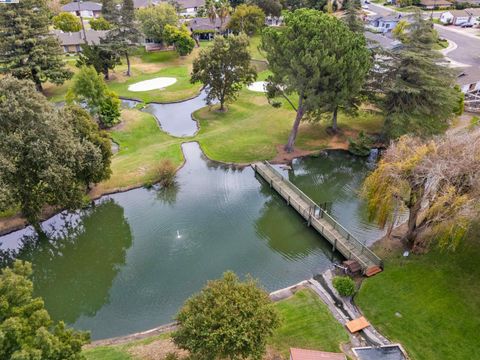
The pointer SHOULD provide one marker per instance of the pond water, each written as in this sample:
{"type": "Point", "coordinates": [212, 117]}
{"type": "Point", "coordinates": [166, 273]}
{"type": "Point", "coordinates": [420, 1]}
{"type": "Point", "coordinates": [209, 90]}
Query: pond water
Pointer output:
{"type": "Point", "coordinates": [129, 262]}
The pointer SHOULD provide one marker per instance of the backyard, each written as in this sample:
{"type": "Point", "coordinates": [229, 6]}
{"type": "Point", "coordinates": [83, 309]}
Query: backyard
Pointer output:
{"type": "Point", "coordinates": [306, 322]}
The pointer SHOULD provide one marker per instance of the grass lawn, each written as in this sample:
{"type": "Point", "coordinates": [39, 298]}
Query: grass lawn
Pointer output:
{"type": "Point", "coordinates": [254, 51]}
{"type": "Point", "coordinates": [307, 323]}
{"type": "Point", "coordinates": [181, 90]}
{"type": "Point", "coordinates": [144, 66]}
{"type": "Point", "coordinates": [142, 146]}
{"type": "Point", "coordinates": [438, 297]}
{"type": "Point", "coordinates": [252, 129]}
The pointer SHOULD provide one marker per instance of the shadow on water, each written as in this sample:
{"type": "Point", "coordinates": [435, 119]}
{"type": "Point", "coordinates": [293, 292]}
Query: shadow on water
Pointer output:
{"type": "Point", "coordinates": [129, 263]}
{"type": "Point", "coordinates": [75, 265]}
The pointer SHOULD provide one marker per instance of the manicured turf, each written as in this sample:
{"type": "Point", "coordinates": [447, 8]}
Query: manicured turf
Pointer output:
{"type": "Point", "coordinates": [142, 146]}
{"type": "Point", "coordinates": [181, 90]}
{"type": "Point", "coordinates": [252, 129]}
{"type": "Point", "coordinates": [438, 298]}
{"type": "Point", "coordinates": [307, 323]}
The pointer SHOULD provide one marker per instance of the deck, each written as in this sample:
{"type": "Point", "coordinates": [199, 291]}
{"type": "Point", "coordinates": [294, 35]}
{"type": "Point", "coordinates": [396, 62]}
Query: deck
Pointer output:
{"type": "Point", "coordinates": [341, 240]}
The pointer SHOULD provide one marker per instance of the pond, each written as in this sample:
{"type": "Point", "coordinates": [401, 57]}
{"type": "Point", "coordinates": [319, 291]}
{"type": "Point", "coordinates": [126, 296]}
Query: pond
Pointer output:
{"type": "Point", "coordinates": [129, 262]}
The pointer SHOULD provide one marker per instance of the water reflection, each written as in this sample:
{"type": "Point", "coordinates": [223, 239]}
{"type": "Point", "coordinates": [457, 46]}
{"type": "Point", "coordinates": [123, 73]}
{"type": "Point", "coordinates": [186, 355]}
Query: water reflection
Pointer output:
{"type": "Point", "coordinates": [75, 265]}
{"type": "Point", "coordinates": [128, 264]}
{"type": "Point", "coordinates": [176, 118]}
{"type": "Point", "coordinates": [335, 177]}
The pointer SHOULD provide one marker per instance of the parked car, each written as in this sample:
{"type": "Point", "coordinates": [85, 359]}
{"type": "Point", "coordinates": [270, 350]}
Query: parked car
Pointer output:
{"type": "Point", "coordinates": [365, 6]}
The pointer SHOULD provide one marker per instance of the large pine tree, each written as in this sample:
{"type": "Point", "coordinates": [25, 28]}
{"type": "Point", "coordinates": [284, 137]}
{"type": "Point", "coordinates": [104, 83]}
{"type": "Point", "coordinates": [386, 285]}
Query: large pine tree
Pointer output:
{"type": "Point", "coordinates": [125, 34]}
{"type": "Point", "coordinates": [110, 11]}
{"type": "Point", "coordinates": [422, 98]}
{"type": "Point", "coordinates": [27, 49]}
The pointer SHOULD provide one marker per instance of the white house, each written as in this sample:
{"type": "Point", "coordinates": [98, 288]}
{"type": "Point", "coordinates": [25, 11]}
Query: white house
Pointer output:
{"type": "Point", "coordinates": [459, 17]}
{"type": "Point", "coordinates": [189, 8]}
{"type": "Point", "coordinates": [86, 9]}
{"type": "Point", "coordinates": [384, 24]}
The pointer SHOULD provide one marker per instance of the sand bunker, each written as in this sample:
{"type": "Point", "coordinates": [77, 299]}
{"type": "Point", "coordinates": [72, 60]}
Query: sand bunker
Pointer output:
{"type": "Point", "coordinates": [152, 84]}
{"type": "Point", "coordinates": [258, 86]}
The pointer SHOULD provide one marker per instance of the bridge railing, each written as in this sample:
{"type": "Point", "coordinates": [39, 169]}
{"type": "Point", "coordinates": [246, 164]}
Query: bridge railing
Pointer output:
{"type": "Point", "coordinates": [323, 214]}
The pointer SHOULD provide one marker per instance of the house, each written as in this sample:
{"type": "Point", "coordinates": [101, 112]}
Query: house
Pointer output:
{"type": "Point", "coordinates": [435, 4]}
{"type": "Point", "coordinates": [139, 4]}
{"type": "Point", "coordinates": [468, 3]}
{"type": "Point", "coordinates": [384, 24]}
{"type": "Point", "coordinates": [72, 41]}
{"type": "Point", "coordinates": [375, 40]}
{"type": "Point", "coordinates": [459, 17]}
{"type": "Point", "coordinates": [302, 354]}
{"type": "Point", "coordinates": [86, 9]}
{"type": "Point", "coordinates": [189, 7]}
{"type": "Point", "coordinates": [204, 29]}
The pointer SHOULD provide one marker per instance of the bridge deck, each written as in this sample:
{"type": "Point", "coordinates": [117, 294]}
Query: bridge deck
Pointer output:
{"type": "Point", "coordinates": [320, 220]}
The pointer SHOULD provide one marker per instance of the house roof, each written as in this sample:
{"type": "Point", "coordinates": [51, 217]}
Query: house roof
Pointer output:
{"type": "Point", "coordinates": [385, 42]}
{"type": "Point", "coordinates": [474, 2]}
{"type": "Point", "coordinates": [138, 4]}
{"type": "Point", "coordinates": [302, 354]}
{"type": "Point", "coordinates": [467, 76]}
{"type": "Point", "coordinates": [76, 38]}
{"type": "Point", "coordinates": [84, 5]}
{"type": "Point", "coordinates": [435, 3]}
{"type": "Point", "coordinates": [202, 24]}
{"type": "Point", "coordinates": [187, 4]}
{"type": "Point", "coordinates": [458, 13]}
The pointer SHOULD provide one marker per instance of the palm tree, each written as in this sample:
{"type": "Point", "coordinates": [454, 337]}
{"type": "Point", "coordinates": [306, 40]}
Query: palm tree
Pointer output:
{"type": "Point", "coordinates": [223, 10]}
{"type": "Point", "coordinates": [211, 10]}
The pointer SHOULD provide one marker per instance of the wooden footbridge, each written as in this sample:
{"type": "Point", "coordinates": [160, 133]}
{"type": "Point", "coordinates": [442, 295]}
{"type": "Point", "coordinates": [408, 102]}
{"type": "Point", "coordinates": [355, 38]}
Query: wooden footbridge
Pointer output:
{"type": "Point", "coordinates": [341, 240]}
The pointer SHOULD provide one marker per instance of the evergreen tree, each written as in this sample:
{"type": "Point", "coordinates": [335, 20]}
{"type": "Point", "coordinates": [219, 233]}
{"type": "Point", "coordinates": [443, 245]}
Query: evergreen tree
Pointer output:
{"type": "Point", "coordinates": [352, 16]}
{"type": "Point", "coordinates": [110, 11]}
{"type": "Point", "coordinates": [45, 158]}
{"type": "Point", "coordinates": [102, 58]}
{"type": "Point", "coordinates": [224, 68]}
{"type": "Point", "coordinates": [27, 48]}
{"type": "Point", "coordinates": [124, 36]}
{"type": "Point", "coordinates": [422, 98]}
{"type": "Point", "coordinates": [27, 330]}
{"type": "Point", "coordinates": [317, 58]}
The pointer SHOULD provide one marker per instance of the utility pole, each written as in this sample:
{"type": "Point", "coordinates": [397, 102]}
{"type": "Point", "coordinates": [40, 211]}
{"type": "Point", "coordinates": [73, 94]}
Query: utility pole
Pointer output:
{"type": "Point", "coordinates": [81, 21]}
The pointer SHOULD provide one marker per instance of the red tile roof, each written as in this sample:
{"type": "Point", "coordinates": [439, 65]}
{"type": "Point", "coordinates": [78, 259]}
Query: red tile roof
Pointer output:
{"type": "Point", "coordinates": [302, 354]}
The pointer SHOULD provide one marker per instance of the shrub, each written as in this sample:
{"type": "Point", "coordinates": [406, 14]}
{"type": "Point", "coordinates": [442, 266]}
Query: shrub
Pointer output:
{"type": "Point", "coordinates": [172, 356]}
{"type": "Point", "coordinates": [344, 285]}
{"type": "Point", "coordinates": [360, 146]}
{"type": "Point", "coordinates": [100, 24]}
{"type": "Point", "coordinates": [166, 172]}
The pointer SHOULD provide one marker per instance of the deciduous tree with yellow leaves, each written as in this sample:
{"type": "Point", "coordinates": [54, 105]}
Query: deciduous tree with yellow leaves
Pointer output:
{"type": "Point", "coordinates": [437, 181]}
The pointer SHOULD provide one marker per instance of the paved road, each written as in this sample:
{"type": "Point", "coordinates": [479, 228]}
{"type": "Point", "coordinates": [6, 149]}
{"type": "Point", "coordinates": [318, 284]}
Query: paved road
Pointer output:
{"type": "Point", "coordinates": [468, 47]}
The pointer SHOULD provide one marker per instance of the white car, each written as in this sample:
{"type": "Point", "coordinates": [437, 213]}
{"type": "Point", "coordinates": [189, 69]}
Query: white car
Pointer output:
{"type": "Point", "coordinates": [365, 6]}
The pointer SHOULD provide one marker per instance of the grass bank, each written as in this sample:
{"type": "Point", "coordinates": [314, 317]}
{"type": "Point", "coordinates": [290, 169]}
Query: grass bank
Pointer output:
{"type": "Point", "coordinates": [430, 303]}
{"type": "Point", "coordinates": [306, 322]}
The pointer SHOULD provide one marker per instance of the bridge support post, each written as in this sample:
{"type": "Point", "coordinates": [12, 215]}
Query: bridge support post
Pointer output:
{"type": "Point", "coordinates": [288, 200]}
{"type": "Point", "coordinates": [334, 245]}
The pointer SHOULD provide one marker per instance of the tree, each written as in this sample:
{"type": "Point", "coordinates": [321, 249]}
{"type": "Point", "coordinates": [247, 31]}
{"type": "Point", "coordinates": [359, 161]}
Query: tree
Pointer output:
{"type": "Point", "coordinates": [45, 159]}
{"type": "Point", "coordinates": [67, 22]}
{"type": "Point", "coordinates": [317, 58]}
{"type": "Point", "coordinates": [352, 16]}
{"type": "Point", "coordinates": [102, 58]}
{"type": "Point", "coordinates": [400, 30]}
{"type": "Point", "coordinates": [269, 7]}
{"type": "Point", "coordinates": [110, 11]}
{"type": "Point", "coordinates": [223, 10]}
{"type": "Point", "coordinates": [27, 330]}
{"type": "Point", "coordinates": [224, 68]}
{"type": "Point", "coordinates": [422, 97]}
{"type": "Point", "coordinates": [180, 37]}
{"type": "Point", "coordinates": [247, 19]}
{"type": "Point", "coordinates": [100, 24]}
{"type": "Point", "coordinates": [228, 319]}
{"type": "Point", "coordinates": [89, 88]}
{"type": "Point", "coordinates": [123, 37]}
{"type": "Point", "coordinates": [437, 181]}
{"type": "Point", "coordinates": [27, 48]}
{"type": "Point", "coordinates": [211, 10]}
{"type": "Point", "coordinates": [154, 19]}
